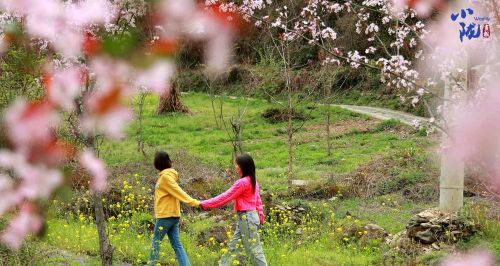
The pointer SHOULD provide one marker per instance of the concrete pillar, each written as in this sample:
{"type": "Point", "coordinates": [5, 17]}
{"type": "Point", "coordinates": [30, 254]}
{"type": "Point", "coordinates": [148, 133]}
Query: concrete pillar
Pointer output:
{"type": "Point", "coordinates": [451, 181]}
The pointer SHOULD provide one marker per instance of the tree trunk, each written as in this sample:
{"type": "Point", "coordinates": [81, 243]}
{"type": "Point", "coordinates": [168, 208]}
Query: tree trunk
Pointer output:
{"type": "Point", "coordinates": [236, 129]}
{"type": "Point", "coordinates": [328, 133]}
{"type": "Point", "coordinates": [140, 131]}
{"type": "Point", "coordinates": [106, 250]}
{"type": "Point", "coordinates": [290, 131]}
{"type": "Point", "coordinates": [170, 102]}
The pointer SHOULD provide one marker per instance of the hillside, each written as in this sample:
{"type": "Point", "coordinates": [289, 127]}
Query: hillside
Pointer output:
{"type": "Point", "coordinates": [378, 173]}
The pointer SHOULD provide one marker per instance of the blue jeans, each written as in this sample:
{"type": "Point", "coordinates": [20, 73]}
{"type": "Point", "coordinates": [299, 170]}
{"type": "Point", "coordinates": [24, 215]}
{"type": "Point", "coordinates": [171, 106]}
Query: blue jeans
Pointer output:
{"type": "Point", "coordinates": [170, 227]}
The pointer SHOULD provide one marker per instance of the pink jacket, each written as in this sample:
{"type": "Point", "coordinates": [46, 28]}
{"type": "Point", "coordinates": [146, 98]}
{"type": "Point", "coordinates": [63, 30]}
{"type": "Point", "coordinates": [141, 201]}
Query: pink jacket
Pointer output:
{"type": "Point", "coordinates": [244, 198]}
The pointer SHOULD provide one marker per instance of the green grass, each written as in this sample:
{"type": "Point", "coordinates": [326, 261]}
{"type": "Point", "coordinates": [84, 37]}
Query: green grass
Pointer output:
{"type": "Point", "coordinates": [318, 247]}
{"type": "Point", "coordinates": [320, 244]}
{"type": "Point", "coordinates": [199, 135]}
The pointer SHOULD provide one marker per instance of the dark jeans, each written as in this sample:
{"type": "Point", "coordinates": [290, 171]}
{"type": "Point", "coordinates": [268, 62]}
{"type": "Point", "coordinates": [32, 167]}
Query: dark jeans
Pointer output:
{"type": "Point", "coordinates": [170, 227]}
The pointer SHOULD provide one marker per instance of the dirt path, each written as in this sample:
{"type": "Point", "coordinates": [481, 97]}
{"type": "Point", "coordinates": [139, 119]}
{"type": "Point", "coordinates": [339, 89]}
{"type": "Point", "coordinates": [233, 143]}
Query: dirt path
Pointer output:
{"type": "Point", "coordinates": [375, 112]}
{"type": "Point", "coordinates": [384, 114]}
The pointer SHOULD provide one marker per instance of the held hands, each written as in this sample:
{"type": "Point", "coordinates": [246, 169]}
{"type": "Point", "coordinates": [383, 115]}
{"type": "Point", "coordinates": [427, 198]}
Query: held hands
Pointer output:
{"type": "Point", "coordinates": [202, 208]}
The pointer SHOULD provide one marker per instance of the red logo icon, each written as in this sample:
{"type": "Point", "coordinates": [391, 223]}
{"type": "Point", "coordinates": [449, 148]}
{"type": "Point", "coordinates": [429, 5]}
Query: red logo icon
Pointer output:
{"type": "Point", "coordinates": [486, 30]}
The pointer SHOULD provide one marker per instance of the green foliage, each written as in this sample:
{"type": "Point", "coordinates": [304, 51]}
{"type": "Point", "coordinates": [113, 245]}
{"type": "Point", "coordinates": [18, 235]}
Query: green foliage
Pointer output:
{"type": "Point", "coordinates": [193, 80]}
{"type": "Point", "coordinates": [277, 115]}
{"type": "Point", "coordinates": [21, 70]}
{"type": "Point", "coordinates": [267, 58]}
{"type": "Point", "coordinates": [401, 180]}
{"type": "Point", "coordinates": [389, 124]}
{"type": "Point", "coordinates": [422, 132]}
{"type": "Point", "coordinates": [121, 45]}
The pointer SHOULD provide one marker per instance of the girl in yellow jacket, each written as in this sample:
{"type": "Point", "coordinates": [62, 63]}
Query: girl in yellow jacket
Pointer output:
{"type": "Point", "coordinates": [167, 209]}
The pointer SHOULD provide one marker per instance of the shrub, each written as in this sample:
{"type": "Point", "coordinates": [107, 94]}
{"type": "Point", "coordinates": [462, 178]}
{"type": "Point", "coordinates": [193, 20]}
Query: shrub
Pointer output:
{"type": "Point", "coordinates": [276, 115]}
{"type": "Point", "coordinates": [143, 222]}
{"type": "Point", "coordinates": [401, 181]}
{"type": "Point", "coordinates": [388, 125]}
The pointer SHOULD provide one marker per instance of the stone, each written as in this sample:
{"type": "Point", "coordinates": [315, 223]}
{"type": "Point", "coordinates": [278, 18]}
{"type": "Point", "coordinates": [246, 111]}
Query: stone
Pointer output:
{"type": "Point", "coordinates": [431, 226]}
{"type": "Point", "coordinates": [425, 237]}
{"type": "Point", "coordinates": [375, 231]}
{"type": "Point", "coordinates": [299, 183]}
{"type": "Point", "coordinates": [418, 220]}
{"type": "Point", "coordinates": [203, 215]}
{"type": "Point", "coordinates": [430, 214]}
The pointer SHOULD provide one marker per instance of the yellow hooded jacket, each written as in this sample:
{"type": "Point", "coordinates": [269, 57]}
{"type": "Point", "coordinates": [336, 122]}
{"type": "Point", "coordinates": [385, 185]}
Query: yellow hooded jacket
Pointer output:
{"type": "Point", "coordinates": [168, 194]}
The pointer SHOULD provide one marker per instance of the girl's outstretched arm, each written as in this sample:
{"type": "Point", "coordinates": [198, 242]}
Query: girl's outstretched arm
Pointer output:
{"type": "Point", "coordinates": [233, 192]}
{"type": "Point", "coordinates": [175, 190]}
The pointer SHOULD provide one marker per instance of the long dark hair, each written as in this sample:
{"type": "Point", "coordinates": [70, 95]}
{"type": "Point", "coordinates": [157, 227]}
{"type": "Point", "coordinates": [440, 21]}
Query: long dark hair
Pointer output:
{"type": "Point", "coordinates": [247, 166]}
{"type": "Point", "coordinates": [162, 161]}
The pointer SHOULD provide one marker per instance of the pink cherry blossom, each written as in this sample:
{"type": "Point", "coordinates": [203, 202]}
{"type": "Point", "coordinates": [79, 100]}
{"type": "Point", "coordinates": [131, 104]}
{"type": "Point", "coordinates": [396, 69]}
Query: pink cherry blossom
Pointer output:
{"type": "Point", "coordinates": [36, 181]}
{"type": "Point", "coordinates": [474, 134]}
{"type": "Point", "coordinates": [61, 23]}
{"type": "Point", "coordinates": [39, 182]}
{"type": "Point", "coordinates": [218, 50]}
{"type": "Point", "coordinates": [10, 197]}
{"type": "Point", "coordinates": [27, 221]}
{"type": "Point", "coordinates": [111, 123]}
{"type": "Point", "coordinates": [157, 77]}
{"type": "Point", "coordinates": [104, 110]}
{"type": "Point", "coordinates": [422, 7]}
{"type": "Point", "coordinates": [30, 124]}
{"type": "Point", "coordinates": [476, 258]}
{"type": "Point", "coordinates": [214, 26]}
{"type": "Point", "coordinates": [64, 86]}
{"type": "Point", "coordinates": [96, 168]}
{"type": "Point", "coordinates": [88, 12]}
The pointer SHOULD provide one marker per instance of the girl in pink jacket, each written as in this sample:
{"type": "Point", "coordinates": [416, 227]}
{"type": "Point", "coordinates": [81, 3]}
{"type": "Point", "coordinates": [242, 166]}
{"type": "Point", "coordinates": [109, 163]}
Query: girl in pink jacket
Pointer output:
{"type": "Point", "coordinates": [248, 205]}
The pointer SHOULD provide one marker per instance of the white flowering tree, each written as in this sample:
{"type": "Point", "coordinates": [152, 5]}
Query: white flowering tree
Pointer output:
{"type": "Point", "coordinates": [417, 57]}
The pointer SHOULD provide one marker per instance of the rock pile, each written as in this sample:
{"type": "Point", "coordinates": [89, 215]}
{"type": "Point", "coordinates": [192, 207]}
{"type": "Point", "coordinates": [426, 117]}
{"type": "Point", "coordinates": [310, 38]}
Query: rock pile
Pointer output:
{"type": "Point", "coordinates": [294, 213]}
{"type": "Point", "coordinates": [431, 226]}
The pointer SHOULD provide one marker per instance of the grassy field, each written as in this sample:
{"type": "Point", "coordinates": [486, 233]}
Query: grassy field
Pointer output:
{"type": "Point", "coordinates": [361, 147]}
{"type": "Point", "coordinates": [355, 141]}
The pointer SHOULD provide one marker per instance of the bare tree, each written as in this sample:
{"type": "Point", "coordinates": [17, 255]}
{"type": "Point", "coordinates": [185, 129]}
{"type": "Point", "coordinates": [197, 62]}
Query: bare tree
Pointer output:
{"type": "Point", "coordinates": [217, 101]}
{"type": "Point", "coordinates": [91, 142]}
{"type": "Point", "coordinates": [234, 132]}
{"type": "Point", "coordinates": [140, 129]}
